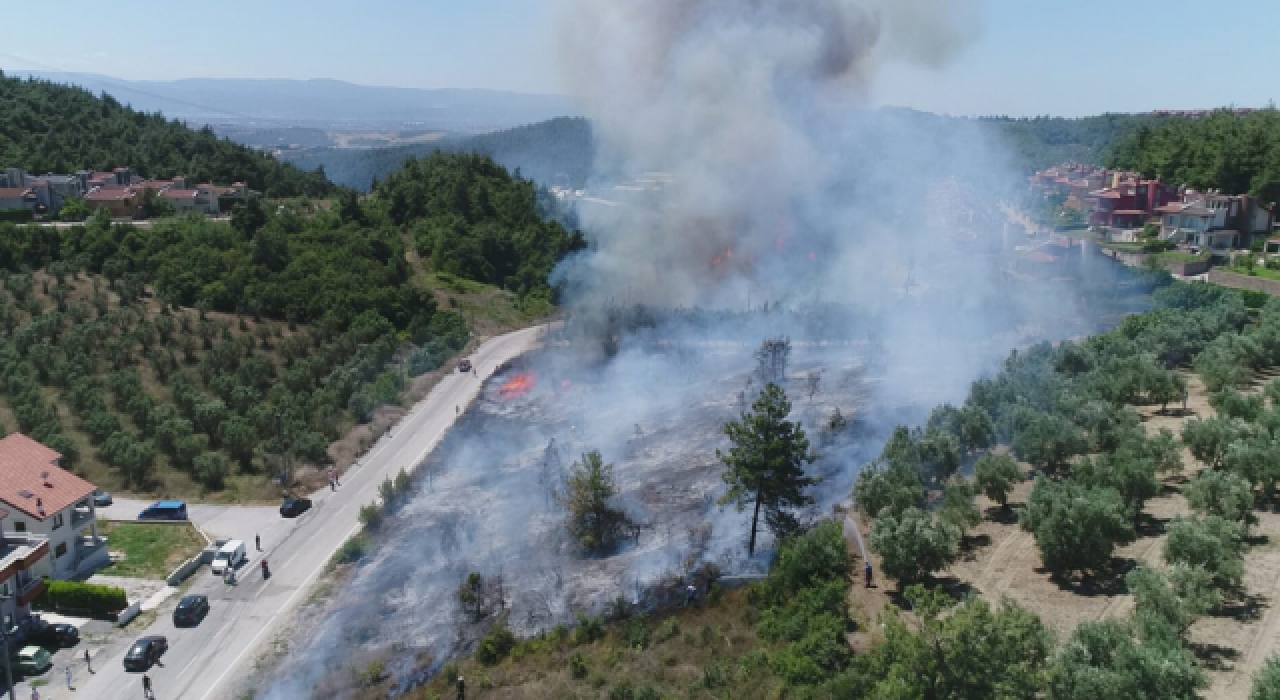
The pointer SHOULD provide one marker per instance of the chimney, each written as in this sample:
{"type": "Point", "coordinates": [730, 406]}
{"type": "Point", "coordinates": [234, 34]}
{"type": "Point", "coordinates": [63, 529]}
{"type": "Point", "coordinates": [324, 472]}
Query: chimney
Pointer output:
{"type": "Point", "coordinates": [40, 506]}
{"type": "Point", "coordinates": [45, 475]}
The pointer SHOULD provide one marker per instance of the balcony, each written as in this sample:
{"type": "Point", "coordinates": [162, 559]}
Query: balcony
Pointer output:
{"type": "Point", "coordinates": [20, 551]}
{"type": "Point", "coordinates": [29, 587]}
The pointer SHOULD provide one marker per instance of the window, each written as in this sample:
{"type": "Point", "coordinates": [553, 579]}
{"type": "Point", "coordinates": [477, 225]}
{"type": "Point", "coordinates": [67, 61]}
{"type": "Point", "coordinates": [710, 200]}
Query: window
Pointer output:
{"type": "Point", "coordinates": [60, 550]}
{"type": "Point", "coordinates": [57, 521]}
{"type": "Point", "coordinates": [4, 589]}
{"type": "Point", "coordinates": [19, 526]}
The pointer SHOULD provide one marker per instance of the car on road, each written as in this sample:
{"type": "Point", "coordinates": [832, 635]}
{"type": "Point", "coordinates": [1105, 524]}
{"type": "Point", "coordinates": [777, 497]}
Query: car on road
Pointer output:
{"type": "Point", "coordinates": [165, 510]}
{"type": "Point", "coordinates": [32, 660]}
{"type": "Point", "coordinates": [293, 507]}
{"type": "Point", "coordinates": [55, 636]}
{"type": "Point", "coordinates": [102, 498]}
{"type": "Point", "coordinates": [145, 652]}
{"type": "Point", "coordinates": [190, 611]}
{"type": "Point", "coordinates": [464, 365]}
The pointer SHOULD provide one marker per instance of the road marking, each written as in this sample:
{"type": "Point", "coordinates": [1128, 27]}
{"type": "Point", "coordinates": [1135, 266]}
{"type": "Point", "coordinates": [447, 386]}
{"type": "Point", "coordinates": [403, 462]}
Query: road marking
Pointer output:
{"type": "Point", "coordinates": [267, 625]}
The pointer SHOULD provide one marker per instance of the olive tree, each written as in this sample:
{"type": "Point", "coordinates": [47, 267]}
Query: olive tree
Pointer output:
{"type": "Point", "coordinates": [996, 476]}
{"type": "Point", "coordinates": [1212, 543]}
{"type": "Point", "coordinates": [1076, 527]}
{"type": "Point", "coordinates": [914, 544]}
{"type": "Point", "coordinates": [1219, 493]}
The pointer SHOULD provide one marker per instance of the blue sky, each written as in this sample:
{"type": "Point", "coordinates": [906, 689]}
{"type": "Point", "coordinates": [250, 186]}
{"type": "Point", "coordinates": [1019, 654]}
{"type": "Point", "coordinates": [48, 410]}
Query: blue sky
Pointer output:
{"type": "Point", "coordinates": [1031, 56]}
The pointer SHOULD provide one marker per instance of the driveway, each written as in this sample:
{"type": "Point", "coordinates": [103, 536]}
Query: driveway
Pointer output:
{"type": "Point", "coordinates": [203, 662]}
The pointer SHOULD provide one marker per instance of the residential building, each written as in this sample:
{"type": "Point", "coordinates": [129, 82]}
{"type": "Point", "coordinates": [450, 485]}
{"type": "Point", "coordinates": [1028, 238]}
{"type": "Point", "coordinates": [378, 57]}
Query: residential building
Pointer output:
{"type": "Point", "coordinates": [47, 501]}
{"type": "Point", "coordinates": [120, 202]}
{"type": "Point", "coordinates": [17, 198]}
{"type": "Point", "coordinates": [21, 554]}
{"type": "Point", "coordinates": [1216, 221]}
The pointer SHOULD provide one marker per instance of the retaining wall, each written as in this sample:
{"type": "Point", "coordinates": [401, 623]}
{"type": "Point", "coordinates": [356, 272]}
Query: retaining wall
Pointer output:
{"type": "Point", "coordinates": [1237, 281]}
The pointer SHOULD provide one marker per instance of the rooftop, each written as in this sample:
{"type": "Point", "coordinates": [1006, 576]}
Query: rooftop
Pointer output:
{"type": "Point", "coordinates": [110, 194]}
{"type": "Point", "coordinates": [32, 483]}
{"type": "Point", "coordinates": [11, 192]}
{"type": "Point", "coordinates": [173, 193]}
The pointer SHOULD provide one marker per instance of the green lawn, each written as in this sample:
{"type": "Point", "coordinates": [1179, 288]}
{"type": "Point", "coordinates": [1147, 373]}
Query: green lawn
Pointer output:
{"type": "Point", "coordinates": [1178, 256]}
{"type": "Point", "coordinates": [151, 550]}
{"type": "Point", "coordinates": [1258, 271]}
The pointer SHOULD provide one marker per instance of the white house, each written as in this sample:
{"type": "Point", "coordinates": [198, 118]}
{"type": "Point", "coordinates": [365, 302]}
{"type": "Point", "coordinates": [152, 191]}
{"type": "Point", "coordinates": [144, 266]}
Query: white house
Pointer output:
{"type": "Point", "coordinates": [45, 500]}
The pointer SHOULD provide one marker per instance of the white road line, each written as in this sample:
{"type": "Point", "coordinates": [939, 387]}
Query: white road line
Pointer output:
{"type": "Point", "coordinates": [267, 626]}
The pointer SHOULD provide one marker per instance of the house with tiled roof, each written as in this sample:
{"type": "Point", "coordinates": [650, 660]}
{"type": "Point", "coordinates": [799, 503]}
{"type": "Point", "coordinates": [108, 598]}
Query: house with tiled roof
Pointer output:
{"type": "Point", "coordinates": [45, 500]}
{"type": "Point", "coordinates": [21, 555]}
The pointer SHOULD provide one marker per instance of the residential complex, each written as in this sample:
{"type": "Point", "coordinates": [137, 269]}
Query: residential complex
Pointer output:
{"type": "Point", "coordinates": [1120, 203]}
{"type": "Point", "coordinates": [120, 192]}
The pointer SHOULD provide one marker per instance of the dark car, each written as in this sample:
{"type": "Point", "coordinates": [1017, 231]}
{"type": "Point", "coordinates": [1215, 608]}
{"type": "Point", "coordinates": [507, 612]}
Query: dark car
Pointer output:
{"type": "Point", "coordinates": [102, 498]}
{"type": "Point", "coordinates": [145, 652]}
{"type": "Point", "coordinates": [165, 510]}
{"type": "Point", "coordinates": [464, 366]}
{"type": "Point", "coordinates": [190, 611]}
{"type": "Point", "coordinates": [55, 636]}
{"type": "Point", "coordinates": [293, 507]}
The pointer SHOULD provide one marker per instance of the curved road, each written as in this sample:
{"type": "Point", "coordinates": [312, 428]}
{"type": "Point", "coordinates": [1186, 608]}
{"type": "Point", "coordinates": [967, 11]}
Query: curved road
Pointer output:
{"type": "Point", "coordinates": [202, 662]}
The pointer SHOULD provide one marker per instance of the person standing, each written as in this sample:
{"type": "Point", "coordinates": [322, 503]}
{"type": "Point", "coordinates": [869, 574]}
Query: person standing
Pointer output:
{"type": "Point", "coordinates": [88, 662]}
{"type": "Point", "coordinates": [147, 693]}
{"type": "Point", "coordinates": [69, 685]}
{"type": "Point", "coordinates": [867, 571]}
{"type": "Point", "coordinates": [462, 689]}
{"type": "Point", "coordinates": [35, 693]}
{"type": "Point", "coordinates": [257, 542]}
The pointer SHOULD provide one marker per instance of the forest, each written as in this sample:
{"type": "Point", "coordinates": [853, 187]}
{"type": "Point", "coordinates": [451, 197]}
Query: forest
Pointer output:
{"type": "Point", "coordinates": [1236, 153]}
{"type": "Point", "coordinates": [45, 127]}
{"type": "Point", "coordinates": [558, 151]}
{"type": "Point", "coordinates": [473, 219]}
{"type": "Point", "coordinates": [1041, 142]}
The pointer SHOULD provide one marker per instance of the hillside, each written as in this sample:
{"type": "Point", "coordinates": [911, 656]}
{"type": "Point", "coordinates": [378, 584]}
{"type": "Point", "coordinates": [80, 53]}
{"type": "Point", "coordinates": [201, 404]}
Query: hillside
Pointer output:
{"type": "Point", "coordinates": [1236, 153]}
{"type": "Point", "coordinates": [46, 127]}
{"type": "Point", "coordinates": [1041, 142]}
{"type": "Point", "coordinates": [559, 151]}
{"type": "Point", "coordinates": [324, 102]}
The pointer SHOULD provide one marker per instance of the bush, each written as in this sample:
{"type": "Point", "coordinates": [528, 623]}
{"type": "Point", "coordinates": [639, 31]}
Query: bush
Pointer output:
{"type": "Point", "coordinates": [496, 645]}
{"type": "Point", "coordinates": [578, 666]}
{"type": "Point", "coordinates": [351, 551]}
{"type": "Point", "coordinates": [88, 597]}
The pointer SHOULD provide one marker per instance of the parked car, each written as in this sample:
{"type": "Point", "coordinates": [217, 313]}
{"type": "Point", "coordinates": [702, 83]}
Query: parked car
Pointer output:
{"type": "Point", "coordinates": [464, 366]}
{"type": "Point", "coordinates": [101, 498]}
{"type": "Point", "coordinates": [145, 652]}
{"type": "Point", "coordinates": [293, 507]}
{"type": "Point", "coordinates": [55, 636]}
{"type": "Point", "coordinates": [230, 556]}
{"type": "Point", "coordinates": [165, 510]}
{"type": "Point", "coordinates": [32, 660]}
{"type": "Point", "coordinates": [190, 611]}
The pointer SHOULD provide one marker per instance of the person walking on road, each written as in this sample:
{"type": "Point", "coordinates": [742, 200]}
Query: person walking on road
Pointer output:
{"type": "Point", "coordinates": [266, 571]}
{"type": "Point", "coordinates": [35, 693]}
{"type": "Point", "coordinates": [147, 693]}
{"type": "Point", "coordinates": [867, 570]}
{"type": "Point", "coordinates": [88, 662]}
{"type": "Point", "coordinates": [462, 689]}
{"type": "Point", "coordinates": [69, 685]}
{"type": "Point", "coordinates": [257, 542]}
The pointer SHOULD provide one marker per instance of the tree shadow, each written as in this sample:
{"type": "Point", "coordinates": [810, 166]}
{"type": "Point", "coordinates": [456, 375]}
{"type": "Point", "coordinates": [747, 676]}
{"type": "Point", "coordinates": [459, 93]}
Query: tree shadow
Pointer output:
{"type": "Point", "coordinates": [1002, 516]}
{"type": "Point", "coordinates": [1105, 582]}
{"type": "Point", "coordinates": [1214, 657]}
{"type": "Point", "coordinates": [1149, 525]}
{"type": "Point", "coordinates": [1244, 607]}
{"type": "Point", "coordinates": [970, 544]}
{"type": "Point", "coordinates": [1256, 540]}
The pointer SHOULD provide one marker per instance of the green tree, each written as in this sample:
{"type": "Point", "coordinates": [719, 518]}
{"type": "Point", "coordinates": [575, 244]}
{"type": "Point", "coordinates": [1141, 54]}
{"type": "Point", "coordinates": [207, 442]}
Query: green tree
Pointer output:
{"type": "Point", "coordinates": [958, 506]}
{"type": "Point", "coordinates": [212, 469]}
{"type": "Point", "coordinates": [1266, 683]}
{"type": "Point", "coordinates": [1223, 494]}
{"type": "Point", "coordinates": [996, 476]}
{"type": "Point", "coordinates": [1211, 543]}
{"type": "Point", "coordinates": [1209, 439]}
{"type": "Point", "coordinates": [1048, 440]}
{"type": "Point", "coordinates": [593, 521]}
{"type": "Point", "coordinates": [1128, 472]}
{"type": "Point", "coordinates": [914, 544]}
{"type": "Point", "coordinates": [73, 210]}
{"type": "Point", "coordinates": [765, 465]}
{"type": "Point", "coordinates": [1167, 605]}
{"type": "Point", "coordinates": [888, 487]}
{"type": "Point", "coordinates": [1103, 661]}
{"type": "Point", "coordinates": [1076, 527]}
{"type": "Point", "coordinates": [969, 650]}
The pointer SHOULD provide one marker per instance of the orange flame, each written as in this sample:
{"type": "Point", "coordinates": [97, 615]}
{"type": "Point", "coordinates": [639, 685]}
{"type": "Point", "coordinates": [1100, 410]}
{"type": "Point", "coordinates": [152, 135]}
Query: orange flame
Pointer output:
{"type": "Point", "coordinates": [519, 385]}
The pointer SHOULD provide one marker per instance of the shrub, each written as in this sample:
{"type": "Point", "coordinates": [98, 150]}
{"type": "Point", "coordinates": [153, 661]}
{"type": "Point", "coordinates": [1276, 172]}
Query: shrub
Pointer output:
{"type": "Point", "coordinates": [496, 645]}
{"type": "Point", "coordinates": [1266, 684]}
{"type": "Point", "coordinates": [622, 690]}
{"type": "Point", "coordinates": [351, 551]}
{"type": "Point", "coordinates": [578, 666]}
{"type": "Point", "coordinates": [89, 597]}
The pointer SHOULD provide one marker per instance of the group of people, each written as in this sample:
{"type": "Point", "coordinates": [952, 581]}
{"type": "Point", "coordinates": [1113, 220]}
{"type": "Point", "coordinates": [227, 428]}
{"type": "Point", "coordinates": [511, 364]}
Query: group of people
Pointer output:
{"type": "Point", "coordinates": [334, 482]}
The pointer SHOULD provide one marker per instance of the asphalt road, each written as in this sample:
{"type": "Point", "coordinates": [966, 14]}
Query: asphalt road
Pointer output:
{"type": "Point", "coordinates": [202, 662]}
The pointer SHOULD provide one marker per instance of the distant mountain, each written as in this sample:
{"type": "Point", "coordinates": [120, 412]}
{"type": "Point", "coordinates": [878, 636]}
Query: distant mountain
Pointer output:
{"type": "Point", "coordinates": [557, 151]}
{"type": "Point", "coordinates": [330, 103]}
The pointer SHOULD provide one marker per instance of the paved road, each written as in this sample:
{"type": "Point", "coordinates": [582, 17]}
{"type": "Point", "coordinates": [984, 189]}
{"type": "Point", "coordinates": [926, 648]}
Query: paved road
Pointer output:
{"type": "Point", "coordinates": [202, 662]}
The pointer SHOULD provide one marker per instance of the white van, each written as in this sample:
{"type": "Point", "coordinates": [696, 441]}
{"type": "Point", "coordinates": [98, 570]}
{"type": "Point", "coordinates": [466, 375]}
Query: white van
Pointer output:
{"type": "Point", "coordinates": [229, 557]}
